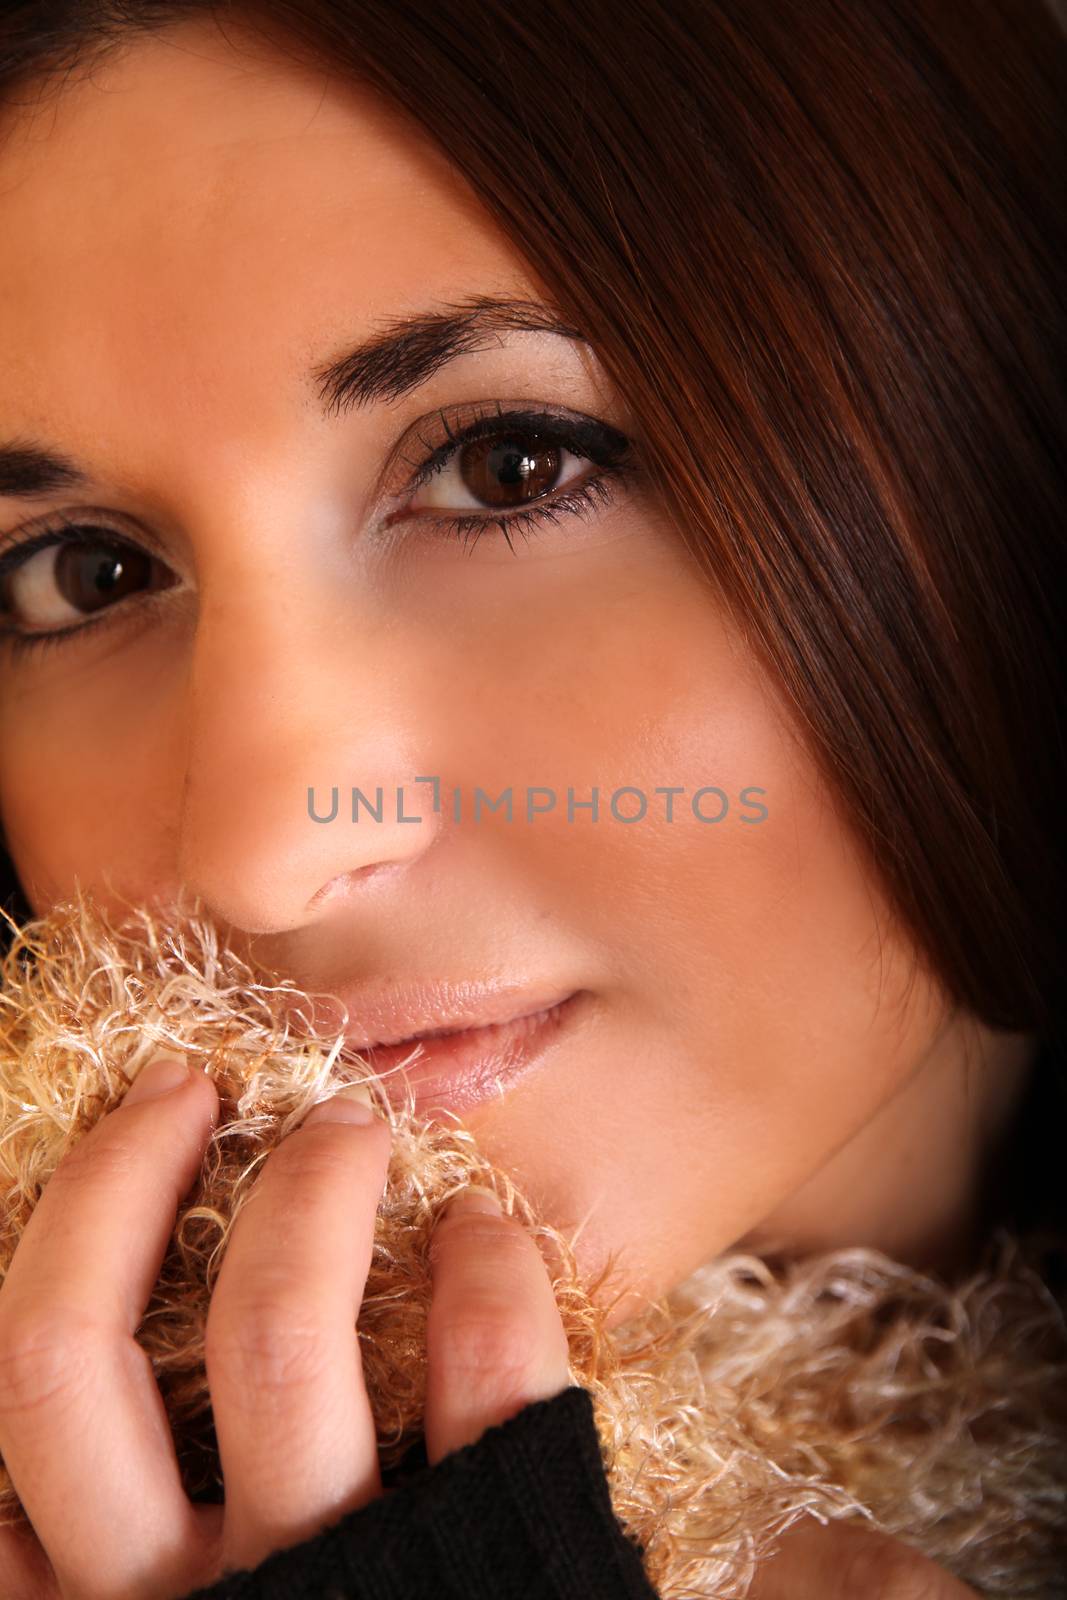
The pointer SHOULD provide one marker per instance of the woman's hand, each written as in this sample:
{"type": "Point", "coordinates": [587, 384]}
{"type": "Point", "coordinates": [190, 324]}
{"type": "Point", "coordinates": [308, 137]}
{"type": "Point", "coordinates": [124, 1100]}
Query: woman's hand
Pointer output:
{"type": "Point", "coordinates": [846, 1561]}
{"type": "Point", "coordinates": [83, 1430]}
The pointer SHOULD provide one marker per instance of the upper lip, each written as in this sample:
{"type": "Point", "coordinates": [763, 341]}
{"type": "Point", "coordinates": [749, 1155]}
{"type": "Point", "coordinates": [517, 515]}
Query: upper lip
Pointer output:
{"type": "Point", "coordinates": [382, 1014]}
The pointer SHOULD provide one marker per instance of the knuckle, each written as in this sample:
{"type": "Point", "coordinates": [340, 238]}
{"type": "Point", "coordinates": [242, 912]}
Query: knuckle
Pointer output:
{"type": "Point", "coordinates": [309, 1167]}
{"type": "Point", "coordinates": [486, 1346]}
{"type": "Point", "coordinates": [486, 1337]}
{"type": "Point", "coordinates": [296, 1187]}
{"type": "Point", "coordinates": [498, 1243]}
{"type": "Point", "coordinates": [879, 1567]}
{"type": "Point", "coordinates": [46, 1361]}
{"type": "Point", "coordinates": [107, 1161]}
{"type": "Point", "coordinates": [264, 1342]}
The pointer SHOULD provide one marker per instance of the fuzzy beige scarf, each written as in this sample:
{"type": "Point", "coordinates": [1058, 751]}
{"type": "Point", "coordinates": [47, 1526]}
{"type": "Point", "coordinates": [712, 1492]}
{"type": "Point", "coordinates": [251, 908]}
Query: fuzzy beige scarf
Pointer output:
{"type": "Point", "coordinates": [842, 1385]}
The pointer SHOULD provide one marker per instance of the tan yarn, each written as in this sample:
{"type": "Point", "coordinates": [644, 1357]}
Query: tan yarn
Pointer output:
{"type": "Point", "coordinates": [840, 1385]}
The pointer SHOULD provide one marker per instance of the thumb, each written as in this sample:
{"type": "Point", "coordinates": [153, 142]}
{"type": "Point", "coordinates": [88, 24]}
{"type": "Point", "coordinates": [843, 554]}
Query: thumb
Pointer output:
{"type": "Point", "coordinates": [850, 1561]}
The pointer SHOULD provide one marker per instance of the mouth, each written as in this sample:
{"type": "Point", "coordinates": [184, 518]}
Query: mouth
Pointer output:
{"type": "Point", "coordinates": [456, 1068]}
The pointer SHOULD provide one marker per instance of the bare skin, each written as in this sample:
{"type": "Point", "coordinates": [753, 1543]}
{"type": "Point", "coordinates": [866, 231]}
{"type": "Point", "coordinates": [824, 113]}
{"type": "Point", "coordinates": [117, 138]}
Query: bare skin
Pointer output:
{"type": "Point", "coordinates": [765, 1060]}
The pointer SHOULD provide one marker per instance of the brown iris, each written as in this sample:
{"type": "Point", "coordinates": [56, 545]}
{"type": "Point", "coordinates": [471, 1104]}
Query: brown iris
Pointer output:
{"type": "Point", "coordinates": [89, 576]}
{"type": "Point", "coordinates": [507, 469]}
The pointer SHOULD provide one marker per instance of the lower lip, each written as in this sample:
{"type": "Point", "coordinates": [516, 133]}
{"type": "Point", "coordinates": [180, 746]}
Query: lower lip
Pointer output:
{"type": "Point", "coordinates": [456, 1071]}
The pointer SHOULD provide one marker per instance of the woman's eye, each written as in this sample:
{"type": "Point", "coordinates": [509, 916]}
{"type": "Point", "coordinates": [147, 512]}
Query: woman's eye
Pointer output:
{"type": "Point", "coordinates": [515, 470]}
{"type": "Point", "coordinates": [70, 576]}
{"type": "Point", "coordinates": [499, 473]}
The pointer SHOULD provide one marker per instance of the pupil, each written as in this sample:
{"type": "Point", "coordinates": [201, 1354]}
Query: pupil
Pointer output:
{"type": "Point", "coordinates": [508, 469]}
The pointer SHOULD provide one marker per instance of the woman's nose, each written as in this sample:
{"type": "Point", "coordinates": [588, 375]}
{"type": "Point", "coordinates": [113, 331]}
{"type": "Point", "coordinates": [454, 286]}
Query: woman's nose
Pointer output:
{"type": "Point", "coordinates": [291, 707]}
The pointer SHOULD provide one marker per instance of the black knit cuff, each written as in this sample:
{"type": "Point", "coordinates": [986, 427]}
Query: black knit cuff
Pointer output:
{"type": "Point", "coordinates": [522, 1514]}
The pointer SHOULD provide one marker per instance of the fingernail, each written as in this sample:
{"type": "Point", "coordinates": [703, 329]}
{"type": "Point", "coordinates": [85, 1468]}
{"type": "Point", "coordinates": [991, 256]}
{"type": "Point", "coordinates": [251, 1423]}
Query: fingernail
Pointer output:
{"type": "Point", "coordinates": [157, 1077]}
{"type": "Point", "coordinates": [474, 1198]}
{"type": "Point", "coordinates": [353, 1103]}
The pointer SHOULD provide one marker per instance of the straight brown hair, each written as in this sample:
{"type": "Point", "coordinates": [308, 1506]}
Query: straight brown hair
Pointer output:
{"type": "Point", "coordinates": [816, 245]}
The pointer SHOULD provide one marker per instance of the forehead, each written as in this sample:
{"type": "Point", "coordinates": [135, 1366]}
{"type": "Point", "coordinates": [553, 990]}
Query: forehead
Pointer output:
{"type": "Point", "coordinates": [196, 211]}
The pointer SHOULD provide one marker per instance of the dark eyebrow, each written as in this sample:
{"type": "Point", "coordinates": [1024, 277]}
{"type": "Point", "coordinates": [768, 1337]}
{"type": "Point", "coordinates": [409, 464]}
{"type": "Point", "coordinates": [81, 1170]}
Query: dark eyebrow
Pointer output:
{"type": "Point", "coordinates": [411, 349]}
{"type": "Point", "coordinates": [384, 367]}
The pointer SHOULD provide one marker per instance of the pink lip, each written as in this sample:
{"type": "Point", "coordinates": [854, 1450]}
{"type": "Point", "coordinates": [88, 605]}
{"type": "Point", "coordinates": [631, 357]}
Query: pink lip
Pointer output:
{"type": "Point", "coordinates": [463, 1043]}
{"type": "Point", "coordinates": [461, 1069]}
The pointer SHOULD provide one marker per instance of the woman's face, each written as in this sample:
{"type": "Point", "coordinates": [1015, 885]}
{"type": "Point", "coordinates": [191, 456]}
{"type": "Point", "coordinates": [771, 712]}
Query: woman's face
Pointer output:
{"type": "Point", "coordinates": [192, 235]}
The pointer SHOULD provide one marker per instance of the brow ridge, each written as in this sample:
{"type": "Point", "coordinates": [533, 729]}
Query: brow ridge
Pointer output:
{"type": "Point", "coordinates": [411, 349]}
{"type": "Point", "coordinates": [391, 363]}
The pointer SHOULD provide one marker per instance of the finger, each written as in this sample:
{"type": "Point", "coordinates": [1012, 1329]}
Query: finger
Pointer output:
{"type": "Point", "coordinates": [295, 1431]}
{"type": "Point", "coordinates": [494, 1337]}
{"type": "Point", "coordinates": [849, 1561]}
{"type": "Point", "coordinates": [83, 1430]}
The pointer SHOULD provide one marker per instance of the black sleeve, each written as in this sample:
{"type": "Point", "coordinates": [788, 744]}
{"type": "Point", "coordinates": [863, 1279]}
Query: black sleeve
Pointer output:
{"type": "Point", "coordinates": [522, 1514]}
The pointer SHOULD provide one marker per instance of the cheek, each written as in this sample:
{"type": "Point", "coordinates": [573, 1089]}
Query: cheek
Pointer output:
{"type": "Point", "coordinates": [758, 1004]}
{"type": "Point", "coordinates": [84, 779]}
{"type": "Point", "coordinates": [650, 690]}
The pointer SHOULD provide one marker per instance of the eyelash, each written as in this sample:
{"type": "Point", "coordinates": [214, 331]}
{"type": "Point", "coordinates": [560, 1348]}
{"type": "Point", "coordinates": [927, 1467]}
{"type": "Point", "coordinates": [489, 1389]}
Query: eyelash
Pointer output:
{"type": "Point", "coordinates": [606, 447]}
{"type": "Point", "coordinates": [593, 441]}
